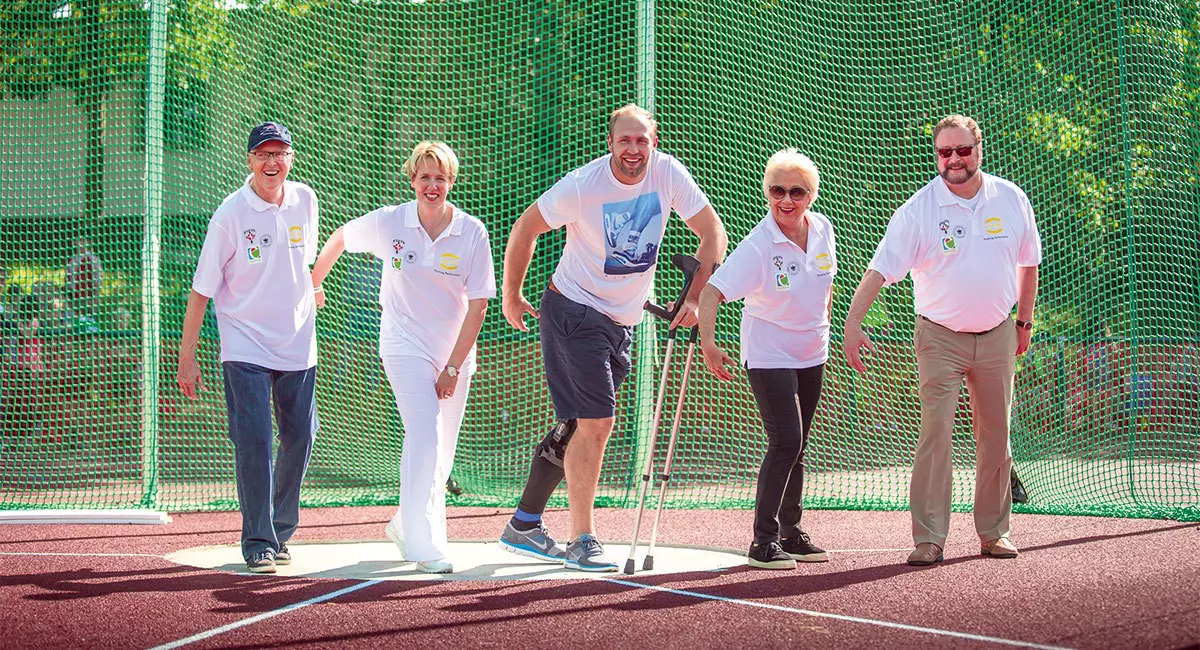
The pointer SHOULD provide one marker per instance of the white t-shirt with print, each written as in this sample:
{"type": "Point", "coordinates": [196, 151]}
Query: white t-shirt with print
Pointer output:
{"type": "Point", "coordinates": [426, 283]}
{"type": "Point", "coordinates": [255, 266]}
{"type": "Point", "coordinates": [963, 257]}
{"type": "Point", "coordinates": [785, 319]}
{"type": "Point", "coordinates": [614, 231]}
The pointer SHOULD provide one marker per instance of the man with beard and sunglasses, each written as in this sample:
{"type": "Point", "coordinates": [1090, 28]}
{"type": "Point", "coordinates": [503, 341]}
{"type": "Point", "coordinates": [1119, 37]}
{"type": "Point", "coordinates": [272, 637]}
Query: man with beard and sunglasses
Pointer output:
{"type": "Point", "coordinates": [615, 211]}
{"type": "Point", "coordinates": [972, 245]}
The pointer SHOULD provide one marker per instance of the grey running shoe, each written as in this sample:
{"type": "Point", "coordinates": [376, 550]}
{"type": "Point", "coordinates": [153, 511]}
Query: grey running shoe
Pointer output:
{"type": "Point", "coordinates": [535, 543]}
{"type": "Point", "coordinates": [587, 554]}
{"type": "Point", "coordinates": [261, 562]}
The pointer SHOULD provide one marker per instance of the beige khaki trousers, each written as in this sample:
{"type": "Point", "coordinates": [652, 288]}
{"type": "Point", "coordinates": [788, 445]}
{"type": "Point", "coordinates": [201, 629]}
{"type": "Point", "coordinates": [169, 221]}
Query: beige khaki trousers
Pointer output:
{"type": "Point", "coordinates": [987, 362]}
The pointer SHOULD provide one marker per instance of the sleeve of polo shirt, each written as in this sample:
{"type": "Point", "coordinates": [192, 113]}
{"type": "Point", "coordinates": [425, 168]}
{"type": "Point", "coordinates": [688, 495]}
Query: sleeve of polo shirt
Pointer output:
{"type": "Point", "coordinates": [560, 205]}
{"type": "Point", "coordinates": [361, 235]}
{"type": "Point", "coordinates": [897, 252]}
{"type": "Point", "coordinates": [687, 199]}
{"type": "Point", "coordinates": [1030, 253]}
{"type": "Point", "coordinates": [218, 250]}
{"type": "Point", "coordinates": [741, 274]}
{"type": "Point", "coordinates": [314, 227]}
{"type": "Point", "coordinates": [481, 276]}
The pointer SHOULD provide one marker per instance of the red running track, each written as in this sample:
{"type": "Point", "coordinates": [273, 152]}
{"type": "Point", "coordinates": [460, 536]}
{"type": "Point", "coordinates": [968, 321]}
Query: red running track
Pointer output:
{"type": "Point", "coordinates": [1080, 582]}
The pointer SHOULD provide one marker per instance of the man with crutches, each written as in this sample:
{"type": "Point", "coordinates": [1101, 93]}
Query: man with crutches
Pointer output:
{"type": "Point", "coordinates": [615, 210]}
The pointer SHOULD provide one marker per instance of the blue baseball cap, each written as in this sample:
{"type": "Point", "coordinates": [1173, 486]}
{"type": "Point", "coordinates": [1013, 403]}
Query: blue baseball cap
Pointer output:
{"type": "Point", "coordinates": [267, 132]}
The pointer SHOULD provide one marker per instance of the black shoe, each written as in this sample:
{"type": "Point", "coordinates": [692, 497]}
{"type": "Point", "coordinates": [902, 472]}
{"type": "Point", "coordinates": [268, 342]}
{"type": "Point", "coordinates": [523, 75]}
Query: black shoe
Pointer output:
{"type": "Point", "coordinates": [284, 556]}
{"type": "Point", "coordinates": [261, 562]}
{"type": "Point", "coordinates": [1019, 495]}
{"type": "Point", "coordinates": [770, 556]}
{"type": "Point", "coordinates": [452, 487]}
{"type": "Point", "coordinates": [802, 549]}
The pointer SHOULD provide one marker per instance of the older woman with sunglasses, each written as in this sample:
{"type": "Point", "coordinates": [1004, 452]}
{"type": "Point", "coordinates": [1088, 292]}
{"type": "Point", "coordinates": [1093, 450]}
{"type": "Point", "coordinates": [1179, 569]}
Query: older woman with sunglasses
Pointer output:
{"type": "Point", "coordinates": [784, 269]}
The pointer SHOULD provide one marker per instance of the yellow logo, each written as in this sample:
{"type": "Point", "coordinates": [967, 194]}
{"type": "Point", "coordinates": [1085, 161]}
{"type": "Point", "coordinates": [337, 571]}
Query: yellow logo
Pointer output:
{"type": "Point", "coordinates": [449, 261]}
{"type": "Point", "coordinates": [993, 225]}
{"type": "Point", "coordinates": [824, 262]}
{"type": "Point", "coordinates": [295, 234]}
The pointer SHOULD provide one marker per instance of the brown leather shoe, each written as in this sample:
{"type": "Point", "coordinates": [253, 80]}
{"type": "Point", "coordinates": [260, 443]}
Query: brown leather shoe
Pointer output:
{"type": "Point", "coordinates": [927, 553]}
{"type": "Point", "coordinates": [1001, 548]}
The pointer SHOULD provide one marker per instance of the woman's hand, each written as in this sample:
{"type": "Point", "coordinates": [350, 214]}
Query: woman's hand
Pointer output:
{"type": "Point", "coordinates": [716, 360]}
{"type": "Point", "coordinates": [445, 385]}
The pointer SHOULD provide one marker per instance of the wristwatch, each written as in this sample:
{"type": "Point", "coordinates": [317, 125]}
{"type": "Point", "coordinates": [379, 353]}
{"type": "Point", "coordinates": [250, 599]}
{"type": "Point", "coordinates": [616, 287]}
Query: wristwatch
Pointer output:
{"type": "Point", "coordinates": [452, 371]}
{"type": "Point", "coordinates": [1025, 324]}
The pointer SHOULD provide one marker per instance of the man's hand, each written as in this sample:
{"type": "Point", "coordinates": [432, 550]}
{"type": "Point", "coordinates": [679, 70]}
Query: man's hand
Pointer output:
{"type": "Point", "coordinates": [686, 316]}
{"type": "Point", "coordinates": [853, 340]}
{"type": "Point", "coordinates": [188, 377]}
{"type": "Point", "coordinates": [716, 360]}
{"type": "Point", "coordinates": [515, 307]}
{"type": "Point", "coordinates": [1023, 338]}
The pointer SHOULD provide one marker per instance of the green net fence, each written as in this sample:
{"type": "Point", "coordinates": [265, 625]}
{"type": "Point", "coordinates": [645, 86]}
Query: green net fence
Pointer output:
{"type": "Point", "coordinates": [122, 124]}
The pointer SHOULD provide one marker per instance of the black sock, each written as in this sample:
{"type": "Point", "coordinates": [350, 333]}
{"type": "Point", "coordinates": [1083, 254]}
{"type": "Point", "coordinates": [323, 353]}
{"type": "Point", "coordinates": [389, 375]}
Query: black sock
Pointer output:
{"type": "Point", "coordinates": [544, 477]}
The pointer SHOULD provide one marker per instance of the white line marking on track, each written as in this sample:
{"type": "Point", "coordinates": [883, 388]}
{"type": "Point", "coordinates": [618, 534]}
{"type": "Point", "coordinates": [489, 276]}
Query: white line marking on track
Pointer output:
{"type": "Point", "coordinates": [265, 615]}
{"type": "Point", "coordinates": [839, 617]}
{"type": "Point", "coordinates": [83, 554]}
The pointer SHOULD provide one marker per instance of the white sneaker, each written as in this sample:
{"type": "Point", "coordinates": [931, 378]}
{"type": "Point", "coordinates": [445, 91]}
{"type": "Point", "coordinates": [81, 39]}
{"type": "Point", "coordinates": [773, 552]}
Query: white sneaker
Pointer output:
{"type": "Point", "coordinates": [435, 566]}
{"type": "Point", "coordinates": [394, 535]}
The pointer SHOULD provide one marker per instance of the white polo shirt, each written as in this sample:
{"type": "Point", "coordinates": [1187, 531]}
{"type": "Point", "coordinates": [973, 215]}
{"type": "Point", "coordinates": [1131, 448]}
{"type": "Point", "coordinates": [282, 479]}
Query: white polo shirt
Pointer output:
{"type": "Point", "coordinates": [785, 319]}
{"type": "Point", "coordinates": [614, 231]}
{"type": "Point", "coordinates": [963, 254]}
{"type": "Point", "coordinates": [426, 283]}
{"type": "Point", "coordinates": [255, 266]}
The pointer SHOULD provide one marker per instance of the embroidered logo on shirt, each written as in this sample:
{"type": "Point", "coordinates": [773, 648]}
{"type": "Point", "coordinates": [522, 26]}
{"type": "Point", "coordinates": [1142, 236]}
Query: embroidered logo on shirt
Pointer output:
{"type": "Point", "coordinates": [249, 235]}
{"type": "Point", "coordinates": [254, 254]}
{"type": "Point", "coordinates": [959, 231]}
{"type": "Point", "coordinates": [778, 261]}
{"type": "Point", "coordinates": [449, 262]}
{"type": "Point", "coordinates": [948, 246]}
{"type": "Point", "coordinates": [397, 262]}
{"type": "Point", "coordinates": [824, 262]}
{"type": "Point", "coordinates": [944, 226]}
{"type": "Point", "coordinates": [397, 245]}
{"type": "Point", "coordinates": [295, 235]}
{"type": "Point", "coordinates": [993, 225]}
{"type": "Point", "coordinates": [793, 268]}
{"type": "Point", "coordinates": [410, 257]}
{"type": "Point", "coordinates": [782, 282]}
{"type": "Point", "coordinates": [266, 240]}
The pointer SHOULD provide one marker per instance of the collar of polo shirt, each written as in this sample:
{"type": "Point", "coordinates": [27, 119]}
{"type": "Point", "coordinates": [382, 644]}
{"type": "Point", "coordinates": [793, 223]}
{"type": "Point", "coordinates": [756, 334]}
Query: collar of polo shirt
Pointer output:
{"type": "Point", "coordinates": [777, 236]}
{"type": "Point", "coordinates": [413, 220]}
{"type": "Point", "coordinates": [257, 202]}
{"type": "Point", "coordinates": [945, 197]}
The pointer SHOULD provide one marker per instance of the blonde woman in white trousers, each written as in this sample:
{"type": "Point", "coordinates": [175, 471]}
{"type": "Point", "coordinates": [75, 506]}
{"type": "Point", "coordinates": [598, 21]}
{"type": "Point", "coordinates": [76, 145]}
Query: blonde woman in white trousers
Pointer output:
{"type": "Point", "coordinates": [437, 280]}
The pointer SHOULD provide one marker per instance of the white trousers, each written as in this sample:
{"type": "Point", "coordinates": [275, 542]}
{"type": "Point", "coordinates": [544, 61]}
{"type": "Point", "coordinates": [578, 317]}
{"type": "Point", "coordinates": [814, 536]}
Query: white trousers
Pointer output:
{"type": "Point", "coordinates": [430, 437]}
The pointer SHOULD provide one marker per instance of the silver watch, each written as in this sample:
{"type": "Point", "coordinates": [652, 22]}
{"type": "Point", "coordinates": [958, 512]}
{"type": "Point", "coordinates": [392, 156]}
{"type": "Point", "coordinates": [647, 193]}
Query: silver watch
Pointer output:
{"type": "Point", "coordinates": [452, 371]}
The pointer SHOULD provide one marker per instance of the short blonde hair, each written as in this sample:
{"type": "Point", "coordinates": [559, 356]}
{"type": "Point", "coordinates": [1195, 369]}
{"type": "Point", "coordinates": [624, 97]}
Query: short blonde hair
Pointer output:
{"type": "Point", "coordinates": [632, 110]}
{"type": "Point", "coordinates": [960, 122]}
{"type": "Point", "coordinates": [791, 159]}
{"type": "Point", "coordinates": [438, 152]}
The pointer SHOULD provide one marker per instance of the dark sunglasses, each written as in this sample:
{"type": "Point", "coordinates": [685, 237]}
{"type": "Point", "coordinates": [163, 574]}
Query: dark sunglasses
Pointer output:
{"type": "Point", "coordinates": [777, 192]}
{"type": "Point", "coordinates": [963, 152]}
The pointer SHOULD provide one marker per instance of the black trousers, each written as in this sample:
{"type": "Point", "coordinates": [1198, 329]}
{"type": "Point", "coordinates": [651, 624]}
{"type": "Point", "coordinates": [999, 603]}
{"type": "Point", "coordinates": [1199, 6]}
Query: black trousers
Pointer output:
{"type": "Point", "coordinates": [787, 399]}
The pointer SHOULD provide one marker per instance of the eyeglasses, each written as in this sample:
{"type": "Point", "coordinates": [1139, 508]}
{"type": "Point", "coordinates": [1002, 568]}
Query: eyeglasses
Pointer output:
{"type": "Point", "coordinates": [963, 152]}
{"type": "Point", "coordinates": [281, 156]}
{"type": "Point", "coordinates": [777, 192]}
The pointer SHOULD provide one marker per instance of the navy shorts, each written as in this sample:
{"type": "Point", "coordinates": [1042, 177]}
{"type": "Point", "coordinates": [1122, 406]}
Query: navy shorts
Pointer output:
{"type": "Point", "coordinates": [586, 355]}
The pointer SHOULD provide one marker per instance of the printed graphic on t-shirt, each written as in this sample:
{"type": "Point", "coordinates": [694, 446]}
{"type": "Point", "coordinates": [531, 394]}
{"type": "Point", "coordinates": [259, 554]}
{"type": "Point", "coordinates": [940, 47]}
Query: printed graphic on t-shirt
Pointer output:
{"type": "Point", "coordinates": [632, 232]}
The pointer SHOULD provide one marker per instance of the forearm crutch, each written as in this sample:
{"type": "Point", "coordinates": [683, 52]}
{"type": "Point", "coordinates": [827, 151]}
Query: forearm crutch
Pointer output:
{"type": "Point", "coordinates": [688, 265]}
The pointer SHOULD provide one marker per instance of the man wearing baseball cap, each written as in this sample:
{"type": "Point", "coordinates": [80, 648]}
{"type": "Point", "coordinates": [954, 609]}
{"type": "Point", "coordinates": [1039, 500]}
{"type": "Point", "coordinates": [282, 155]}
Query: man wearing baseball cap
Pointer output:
{"type": "Point", "coordinates": [254, 266]}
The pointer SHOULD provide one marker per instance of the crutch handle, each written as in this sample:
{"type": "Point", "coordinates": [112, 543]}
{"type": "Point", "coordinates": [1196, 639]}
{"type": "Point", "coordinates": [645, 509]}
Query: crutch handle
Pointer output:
{"type": "Point", "coordinates": [689, 265]}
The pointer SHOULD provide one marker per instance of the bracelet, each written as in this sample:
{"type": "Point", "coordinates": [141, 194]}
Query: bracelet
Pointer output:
{"type": "Point", "coordinates": [318, 289]}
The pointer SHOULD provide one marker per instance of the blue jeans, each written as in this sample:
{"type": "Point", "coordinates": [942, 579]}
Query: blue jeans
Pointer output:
{"type": "Point", "coordinates": [269, 494]}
